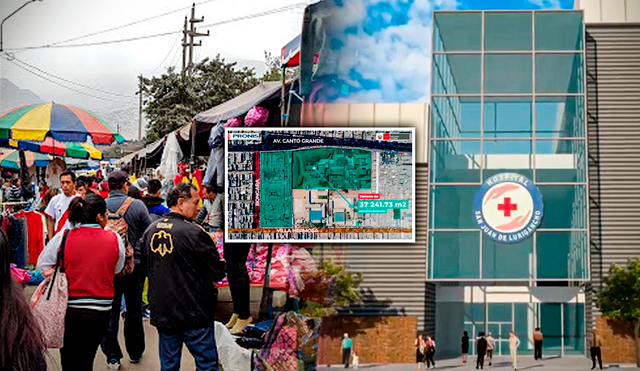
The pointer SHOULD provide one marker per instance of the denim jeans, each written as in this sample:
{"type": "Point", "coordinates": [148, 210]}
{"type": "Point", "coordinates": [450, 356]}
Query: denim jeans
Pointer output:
{"type": "Point", "coordinates": [128, 286]}
{"type": "Point", "coordinates": [236, 255]}
{"type": "Point", "coordinates": [201, 344]}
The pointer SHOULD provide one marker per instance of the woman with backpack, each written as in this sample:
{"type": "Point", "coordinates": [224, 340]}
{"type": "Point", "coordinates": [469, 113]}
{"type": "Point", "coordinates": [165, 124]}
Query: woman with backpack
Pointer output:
{"type": "Point", "coordinates": [90, 273]}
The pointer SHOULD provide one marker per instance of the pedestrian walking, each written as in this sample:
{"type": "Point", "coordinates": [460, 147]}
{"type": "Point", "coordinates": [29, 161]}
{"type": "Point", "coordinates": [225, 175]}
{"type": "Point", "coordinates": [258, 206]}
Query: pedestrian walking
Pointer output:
{"type": "Point", "coordinates": [537, 343]}
{"type": "Point", "coordinates": [58, 209]}
{"type": "Point", "coordinates": [420, 349]}
{"type": "Point", "coordinates": [464, 346]}
{"type": "Point", "coordinates": [481, 349]}
{"type": "Point", "coordinates": [90, 273]}
{"type": "Point", "coordinates": [21, 341]}
{"type": "Point", "coordinates": [491, 346]}
{"type": "Point", "coordinates": [136, 217]}
{"type": "Point", "coordinates": [596, 351]}
{"type": "Point", "coordinates": [184, 267]}
{"type": "Point", "coordinates": [430, 352]}
{"type": "Point", "coordinates": [347, 345]}
{"type": "Point", "coordinates": [514, 343]}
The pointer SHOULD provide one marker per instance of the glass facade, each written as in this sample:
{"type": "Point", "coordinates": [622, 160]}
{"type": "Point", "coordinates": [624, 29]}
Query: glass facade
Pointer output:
{"type": "Point", "coordinates": [508, 95]}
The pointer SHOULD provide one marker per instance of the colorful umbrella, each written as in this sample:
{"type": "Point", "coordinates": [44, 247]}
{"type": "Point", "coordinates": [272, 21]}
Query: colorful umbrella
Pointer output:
{"type": "Point", "coordinates": [62, 122]}
{"type": "Point", "coordinates": [53, 147]}
{"type": "Point", "coordinates": [10, 159]}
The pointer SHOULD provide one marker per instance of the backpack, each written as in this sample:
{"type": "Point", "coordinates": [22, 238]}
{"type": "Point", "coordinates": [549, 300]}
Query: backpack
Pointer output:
{"type": "Point", "coordinates": [117, 224]}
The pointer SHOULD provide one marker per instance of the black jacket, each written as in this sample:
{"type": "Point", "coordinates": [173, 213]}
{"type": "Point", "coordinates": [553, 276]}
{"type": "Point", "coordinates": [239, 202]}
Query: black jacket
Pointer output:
{"type": "Point", "coordinates": [481, 345]}
{"type": "Point", "coordinates": [184, 266]}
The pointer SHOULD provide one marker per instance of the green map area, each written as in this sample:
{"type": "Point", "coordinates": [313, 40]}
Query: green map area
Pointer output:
{"type": "Point", "coordinates": [276, 198]}
{"type": "Point", "coordinates": [343, 168]}
{"type": "Point", "coordinates": [282, 172]}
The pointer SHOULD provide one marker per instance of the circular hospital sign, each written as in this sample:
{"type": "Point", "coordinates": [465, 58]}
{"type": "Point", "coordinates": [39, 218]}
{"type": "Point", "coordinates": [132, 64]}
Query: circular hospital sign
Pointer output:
{"type": "Point", "coordinates": [508, 207]}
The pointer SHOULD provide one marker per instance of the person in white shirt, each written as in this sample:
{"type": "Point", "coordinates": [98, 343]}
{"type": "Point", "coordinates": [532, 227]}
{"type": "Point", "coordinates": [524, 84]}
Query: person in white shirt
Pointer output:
{"type": "Point", "coordinates": [514, 343]}
{"type": "Point", "coordinates": [491, 346]}
{"type": "Point", "coordinates": [57, 210]}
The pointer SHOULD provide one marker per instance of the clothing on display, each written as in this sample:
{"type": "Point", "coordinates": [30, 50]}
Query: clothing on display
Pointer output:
{"type": "Point", "coordinates": [26, 234]}
{"type": "Point", "coordinates": [171, 155]}
{"type": "Point", "coordinates": [56, 167]}
{"type": "Point", "coordinates": [257, 116]}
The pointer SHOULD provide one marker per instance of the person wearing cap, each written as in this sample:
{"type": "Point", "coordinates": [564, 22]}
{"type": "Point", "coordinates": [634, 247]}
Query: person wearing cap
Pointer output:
{"type": "Point", "coordinates": [137, 219]}
{"type": "Point", "coordinates": [137, 189]}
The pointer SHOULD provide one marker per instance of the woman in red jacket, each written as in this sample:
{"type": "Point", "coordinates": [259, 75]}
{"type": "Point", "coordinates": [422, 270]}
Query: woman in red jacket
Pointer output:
{"type": "Point", "coordinates": [92, 257]}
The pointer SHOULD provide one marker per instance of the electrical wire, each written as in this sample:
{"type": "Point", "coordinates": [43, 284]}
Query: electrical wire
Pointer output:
{"type": "Point", "coordinates": [131, 24]}
{"type": "Point", "coordinates": [232, 20]}
{"type": "Point", "coordinates": [166, 56]}
{"type": "Point", "coordinates": [71, 81]}
{"type": "Point", "coordinates": [62, 85]}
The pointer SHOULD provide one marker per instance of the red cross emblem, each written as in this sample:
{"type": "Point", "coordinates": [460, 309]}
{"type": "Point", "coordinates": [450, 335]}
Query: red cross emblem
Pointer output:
{"type": "Point", "coordinates": [507, 207]}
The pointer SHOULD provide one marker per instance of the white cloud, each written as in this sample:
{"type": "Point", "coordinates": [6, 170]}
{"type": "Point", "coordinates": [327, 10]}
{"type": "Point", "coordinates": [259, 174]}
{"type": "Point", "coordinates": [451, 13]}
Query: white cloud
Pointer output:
{"type": "Point", "coordinates": [547, 4]}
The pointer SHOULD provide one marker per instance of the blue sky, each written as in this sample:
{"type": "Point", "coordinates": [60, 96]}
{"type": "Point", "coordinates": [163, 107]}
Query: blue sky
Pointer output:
{"type": "Point", "coordinates": [385, 50]}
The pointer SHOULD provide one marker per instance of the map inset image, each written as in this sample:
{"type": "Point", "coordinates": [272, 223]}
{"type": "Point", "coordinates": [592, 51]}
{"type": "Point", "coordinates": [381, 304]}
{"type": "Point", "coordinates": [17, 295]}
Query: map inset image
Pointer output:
{"type": "Point", "coordinates": [320, 185]}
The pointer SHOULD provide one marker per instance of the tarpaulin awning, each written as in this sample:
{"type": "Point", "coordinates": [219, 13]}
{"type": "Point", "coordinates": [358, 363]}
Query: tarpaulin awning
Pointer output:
{"type": "Point", "coordinates": [236, 106]}
{"type": "Point", "coordinates": [290, 55]}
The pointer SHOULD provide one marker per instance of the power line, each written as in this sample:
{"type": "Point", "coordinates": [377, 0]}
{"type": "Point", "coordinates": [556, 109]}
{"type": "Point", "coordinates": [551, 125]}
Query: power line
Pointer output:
{"type": "Point", "coordinates": [166, 56]}
{"type": "Point", "coordinates": [62, 85]}
{"type": "Point", "coordinates": [70, 81]}
{"type": "Point", "coordinates": [96, 43]}
{"type": "Point", "coordinates": [232, 20]}
{"type": "Point", "coordinates": [129, 24]}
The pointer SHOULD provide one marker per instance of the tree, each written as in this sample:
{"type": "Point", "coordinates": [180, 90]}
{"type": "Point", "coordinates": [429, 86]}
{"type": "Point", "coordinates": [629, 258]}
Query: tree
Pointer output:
{"type": "Point", "coordinates": [344, 291]}
{"type": "Point", "coordinates": [172, 99]}
{"type": "Point", "coordinates": [274, 69]}
{"type": "Point", "coordinates": [620, 298]}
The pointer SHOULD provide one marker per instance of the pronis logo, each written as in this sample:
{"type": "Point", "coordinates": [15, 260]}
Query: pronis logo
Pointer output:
{"type": "Point", "coordinates": [244, 136]}
{"type": "Point", "coordinates": [508, 207]}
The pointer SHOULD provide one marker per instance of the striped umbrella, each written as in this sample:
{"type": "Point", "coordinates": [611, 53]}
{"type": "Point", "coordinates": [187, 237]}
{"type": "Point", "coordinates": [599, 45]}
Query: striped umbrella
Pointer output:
{"type": "Point", "coordinates": [61, 122]}
{"type": "Point", "coordinates": [53, 147]}
{"type": "Point", "coordinates": [10, 159]}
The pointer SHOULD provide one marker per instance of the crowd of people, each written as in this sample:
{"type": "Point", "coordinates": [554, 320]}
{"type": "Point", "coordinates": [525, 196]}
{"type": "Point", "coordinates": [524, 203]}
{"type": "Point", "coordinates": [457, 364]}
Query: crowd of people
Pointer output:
{"type": "Point", "coordinates": [110, 238]}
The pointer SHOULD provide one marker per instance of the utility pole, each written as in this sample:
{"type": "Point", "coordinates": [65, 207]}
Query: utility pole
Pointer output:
{"type": "Point", "coordinates": [192, 34]}
{"type": "Point", "coordinates": [184, 46]}
{"type": "Point", "coordinates": [139, 93]}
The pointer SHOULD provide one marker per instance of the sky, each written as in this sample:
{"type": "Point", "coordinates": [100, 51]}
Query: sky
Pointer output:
{"type": "Point", "coordinates": [113, 68]}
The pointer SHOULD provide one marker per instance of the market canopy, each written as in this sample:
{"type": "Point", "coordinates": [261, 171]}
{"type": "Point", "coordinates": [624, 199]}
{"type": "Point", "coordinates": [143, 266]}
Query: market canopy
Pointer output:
{"type": "Point", "coordinates": [62, 122]}
{"type": "Point", "coordinates": [10, 159]}
{"type": "Point", "coordinates": [238, 105]}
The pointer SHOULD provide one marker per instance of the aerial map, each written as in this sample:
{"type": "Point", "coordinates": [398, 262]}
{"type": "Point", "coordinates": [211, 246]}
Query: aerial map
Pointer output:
{"type": "Point", "coordinates": [320, 185]}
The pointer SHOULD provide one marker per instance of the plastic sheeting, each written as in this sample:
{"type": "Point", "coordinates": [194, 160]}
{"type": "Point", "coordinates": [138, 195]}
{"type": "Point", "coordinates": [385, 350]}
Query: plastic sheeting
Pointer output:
{"type": "Point", "coordinates": [232, 356]}
{"type": "Point", "coordinates": [171, 155]}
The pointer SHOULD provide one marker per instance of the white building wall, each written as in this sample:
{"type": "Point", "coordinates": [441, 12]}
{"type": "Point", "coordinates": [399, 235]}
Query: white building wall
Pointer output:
{"type": "Point", "coordinates": [609, 11]}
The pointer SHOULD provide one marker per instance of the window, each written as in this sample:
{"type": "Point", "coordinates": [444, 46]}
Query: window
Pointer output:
{"type": "Point", "coordinates": [508, 117]}
{"type": "Point", "coordinates": [558, 30]}
{"type": "Point", "coordinates": [455, 161]}
{"type": "Point", "coordinates": [560, 161]}
{"type": "Point", "coordinates": [564, 206]}
{"type": "Point", "coordinates": [455, 254]}
{"type": "Point", "coordinates": [455, 117]}
{"type": "Point", "coordinates": [560, 117]}
{"type": "Point", "coordinates": [456, 73]}
{"type": "Point", "coordinates": [506, 261]}
{"type": "Point", "coordinates": [508, 74]}
{"type": "Point", "coordinates": [508, 31]}
{"type": "Point", "coordinates": [559, 73]}
{"type": "Point", "coordinates": [507, 156]}
{"type": "Point", "coordinates": [457, 31]}
{"type": "Point", "coordinates": [454, 205]}
{"type": "Point", "coordinates": [561, 255]}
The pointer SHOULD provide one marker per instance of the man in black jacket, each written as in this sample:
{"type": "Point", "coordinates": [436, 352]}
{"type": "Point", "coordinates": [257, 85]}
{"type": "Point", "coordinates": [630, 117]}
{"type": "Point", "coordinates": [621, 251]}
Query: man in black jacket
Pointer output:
{"type": "Point", "coordinates": [184, 266]}
{"type": "Point", "coordinates": [481, 347]}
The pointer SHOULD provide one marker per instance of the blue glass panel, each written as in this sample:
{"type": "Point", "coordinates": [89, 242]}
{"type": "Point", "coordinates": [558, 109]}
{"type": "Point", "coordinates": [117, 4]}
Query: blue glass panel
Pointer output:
{"type": "Point", "coordinates": [455, 117]}
{"type": "Point", "coordinates": [564, 206]}
{"type": "Point", "coordinates": [508, 117]}
{"type": "Point", "coordinates": [560, 117]}
{"type": "Point", "coordinates": [452, 207]}
{"type": "Point", "coordinates": [508, 74]}
{"type": "Point", "coordinates": [559, 30]}
{"type": "Point", "coordinates": [508, 31]}
{"type": "Point", "coordinates": [455, 161]}
{"type": "Point", "coordinates": [506, 261]}
{"type": "Point", "coordinates": [455, 254]}
{"type": "Point", "coordinates": [457, 31]}
{"type": "Point", "coordinates": [559, 73]}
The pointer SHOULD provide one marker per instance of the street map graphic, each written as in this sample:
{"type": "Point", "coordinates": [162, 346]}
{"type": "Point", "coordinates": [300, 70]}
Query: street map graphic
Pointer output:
{"type": "Point", "coordinates": [320, 185]}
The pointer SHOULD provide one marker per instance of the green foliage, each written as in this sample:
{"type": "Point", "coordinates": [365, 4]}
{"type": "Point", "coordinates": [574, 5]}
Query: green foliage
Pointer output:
{"type": "Point", "coordinates": [344, 291]}
{"type": "Point", "coordinates": [620, 297]}
{"type": "Point", "coordinates": [172, 100]}
{"type": "Point", "coordinates": [274, 72]}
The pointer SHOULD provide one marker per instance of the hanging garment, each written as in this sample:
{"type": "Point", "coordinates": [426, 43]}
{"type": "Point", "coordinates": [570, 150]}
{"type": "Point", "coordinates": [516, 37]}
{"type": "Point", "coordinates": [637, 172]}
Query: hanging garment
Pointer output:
{"type": "Point", "coordinates": [16, 239]}
{"type": "Point", "coordinates": [257, 116]}
{"type": "Point", "coordinates": [215, 168]}
{"type": "Point", "coordinates": [171, 155]}
{"type": "Point", "coordinates": [25, 238]}
{"type": "Point", "coordinates": [35, 232]}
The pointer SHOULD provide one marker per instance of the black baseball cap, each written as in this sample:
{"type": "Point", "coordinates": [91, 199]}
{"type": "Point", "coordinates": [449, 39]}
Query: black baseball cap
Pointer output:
{"type": "Point", "coordinates": [118, 176]}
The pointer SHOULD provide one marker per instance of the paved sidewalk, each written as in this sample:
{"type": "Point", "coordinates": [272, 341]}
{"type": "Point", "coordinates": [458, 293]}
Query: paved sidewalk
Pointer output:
{"type": "Point", "coordinates": [500, 363]}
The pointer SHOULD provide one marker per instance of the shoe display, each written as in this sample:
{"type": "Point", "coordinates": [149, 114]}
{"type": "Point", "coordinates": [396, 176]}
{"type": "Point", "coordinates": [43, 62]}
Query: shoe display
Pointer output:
{"type": "Point", "coordinates": [113, 364]}
{"type": "Point", "coordinates": [232, 321]}
{"type": "Point", "coordinates": [240, 325]}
